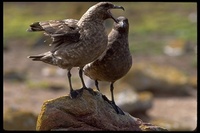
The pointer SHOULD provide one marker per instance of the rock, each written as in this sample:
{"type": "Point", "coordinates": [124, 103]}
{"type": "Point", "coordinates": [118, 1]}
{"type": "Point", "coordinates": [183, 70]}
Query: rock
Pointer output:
{"type": "Point", "coordinates": [158, 78]}
{"type": "Point", "coordinates": [171, 125]}
{"type": "Point", "coordinates": [193, 81]}
{"type": "Point", "coordinates": [179, 47]}
{"type": "Point", "coordinates": [19, 120]}
{"type": "Point", "coordinates": [13, 75]}
{"type": "Point", "coordinates": [126, 97]}
{"type": "Point", "coordinates": [130, 101]}
{"type": "Point", "coordinates": [91, 111]}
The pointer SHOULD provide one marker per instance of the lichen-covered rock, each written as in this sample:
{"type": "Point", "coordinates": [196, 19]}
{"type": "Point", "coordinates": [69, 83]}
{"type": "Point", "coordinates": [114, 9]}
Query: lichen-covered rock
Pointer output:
{"type": "Point", "coordinates": [91, 111]}
{"type": "Point", "coordinates": [19, 120]}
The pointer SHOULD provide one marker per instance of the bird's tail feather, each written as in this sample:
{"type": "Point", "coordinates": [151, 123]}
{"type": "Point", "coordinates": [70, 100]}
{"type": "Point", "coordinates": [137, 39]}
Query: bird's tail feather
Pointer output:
{"type": "Point", "coordinates": [46, 57]}
{"type": "Point", "coordinates": [36, 57]}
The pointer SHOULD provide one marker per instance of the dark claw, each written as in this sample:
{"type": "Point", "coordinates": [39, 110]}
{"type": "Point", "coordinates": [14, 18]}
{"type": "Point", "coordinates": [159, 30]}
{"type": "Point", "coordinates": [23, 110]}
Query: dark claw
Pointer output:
{"type": "Point", "coordinates": [74, 94]}
{"type": "Point", "coordinates": [106, 99]}
{"type": "Point", "coordinates": [117, 109]}
{"type": "Point", "coordinates": [79, 92]}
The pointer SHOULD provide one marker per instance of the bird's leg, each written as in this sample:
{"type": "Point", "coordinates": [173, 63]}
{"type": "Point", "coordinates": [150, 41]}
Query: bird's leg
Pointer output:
{"type": "Point", "coordinates": [117, 109]}
{"type": "Point", "coordinates": [96, 84]}
{"type": "Point", "coordinates": [69, 78]}
{"type": "Point", "coordinates": [112, 96]}
{"type": "Point", "coordinates": [83, 83]}
{"type": "Point", "coordinates": [81, 76]}
{"type": "Point", "coordinates": [73, 93]}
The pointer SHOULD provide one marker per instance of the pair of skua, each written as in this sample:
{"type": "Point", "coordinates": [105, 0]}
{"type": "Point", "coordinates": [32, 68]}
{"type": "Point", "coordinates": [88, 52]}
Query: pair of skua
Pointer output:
{"type": "Point", "coordinates": [84, 43]}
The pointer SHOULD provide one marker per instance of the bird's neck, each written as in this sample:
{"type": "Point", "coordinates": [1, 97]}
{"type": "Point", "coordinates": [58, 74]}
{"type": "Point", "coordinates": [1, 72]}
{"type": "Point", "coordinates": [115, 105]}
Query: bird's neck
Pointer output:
{"type": "Point", "coordinates": [118, 34]}
{"type": "Point", "coordinates": [90, 17]}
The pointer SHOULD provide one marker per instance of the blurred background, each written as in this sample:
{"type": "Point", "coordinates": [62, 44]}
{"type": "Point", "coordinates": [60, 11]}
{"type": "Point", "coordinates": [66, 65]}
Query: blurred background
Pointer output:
{"type": "Point", "coordinates": [160, 88]}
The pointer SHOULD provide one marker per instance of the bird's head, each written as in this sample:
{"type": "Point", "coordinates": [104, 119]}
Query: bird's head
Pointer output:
{"type": "Point", "coordinates": [102, 10]}
{"type": "Point", "coordinates": [121, 24]}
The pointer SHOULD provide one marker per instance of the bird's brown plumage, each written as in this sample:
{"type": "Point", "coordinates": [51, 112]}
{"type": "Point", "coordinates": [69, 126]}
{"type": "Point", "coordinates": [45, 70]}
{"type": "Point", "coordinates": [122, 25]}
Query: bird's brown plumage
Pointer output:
{"type": "Point", "coordinates": [116, 60]}
{"type": "Point", "coordinates": [76, 42]}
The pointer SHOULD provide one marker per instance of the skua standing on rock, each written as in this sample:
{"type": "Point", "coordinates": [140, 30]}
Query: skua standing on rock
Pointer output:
{"type": "Point", "coordinates": [76, 42]}
{"type": "Point", "coordinates": [116, 60]}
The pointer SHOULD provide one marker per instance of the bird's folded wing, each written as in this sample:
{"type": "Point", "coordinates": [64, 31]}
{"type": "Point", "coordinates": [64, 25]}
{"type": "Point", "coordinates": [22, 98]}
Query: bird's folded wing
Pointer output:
{"type": "Point", "coordinates": [65, 27]}
{"type": "Point", "coordinates": [61, 31]}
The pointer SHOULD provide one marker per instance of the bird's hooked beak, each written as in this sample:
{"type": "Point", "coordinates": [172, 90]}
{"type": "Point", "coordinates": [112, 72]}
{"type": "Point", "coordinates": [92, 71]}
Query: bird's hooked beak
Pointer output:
{"type": "Point", "coordinates": [118, 7]}
{"type": "Point", "coordinates": [115, 7]}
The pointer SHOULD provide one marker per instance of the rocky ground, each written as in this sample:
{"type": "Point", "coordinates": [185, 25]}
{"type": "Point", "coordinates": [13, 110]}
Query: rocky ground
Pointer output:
{"type": "Point", "coordinates": [28, 84]}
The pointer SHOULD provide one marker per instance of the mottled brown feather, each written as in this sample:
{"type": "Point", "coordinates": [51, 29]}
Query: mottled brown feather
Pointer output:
{"type": "Point", "coordinates": [79, 42]}
{"type": "Point", "coordinates": [116, 60]}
